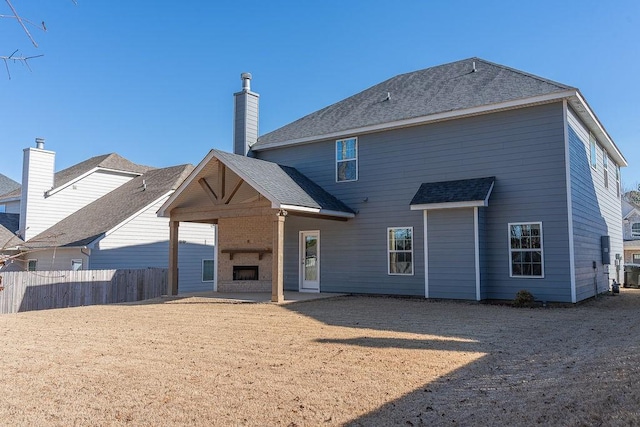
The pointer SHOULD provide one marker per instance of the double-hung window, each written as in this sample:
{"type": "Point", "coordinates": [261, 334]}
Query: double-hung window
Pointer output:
{"type": "Point", "coordinates": [32, 265]}
{"type": "Point", "coordinates": [635, 229]}
{"type": "Point", "coordinates": [400, 250]}
{"type": "Point", "coordinates": [347, 160]}
{"type": "Point", "coordinates": [526, 250]}
{"type": "Point", "coordinates": [76, 264]}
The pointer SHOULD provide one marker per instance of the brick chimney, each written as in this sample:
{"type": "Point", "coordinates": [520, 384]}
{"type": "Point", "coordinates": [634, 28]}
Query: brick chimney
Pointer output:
{"type": "Point", "coordinates": [245, 123]}
{"type": "Point", "coordinates": [37, 179]}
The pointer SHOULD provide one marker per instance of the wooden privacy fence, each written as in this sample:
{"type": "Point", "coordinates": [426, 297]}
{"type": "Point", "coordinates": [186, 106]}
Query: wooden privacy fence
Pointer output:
{"type": "Point", "coordinates": [40, 290]}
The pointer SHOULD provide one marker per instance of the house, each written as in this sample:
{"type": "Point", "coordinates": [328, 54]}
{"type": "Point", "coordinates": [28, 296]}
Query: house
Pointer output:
{"type": "Point", "coordinates": [99, 214]}
{"type": "Point", "coordinates": [469, 180]}
{"type": "Point", "coordinates": [631, 231]}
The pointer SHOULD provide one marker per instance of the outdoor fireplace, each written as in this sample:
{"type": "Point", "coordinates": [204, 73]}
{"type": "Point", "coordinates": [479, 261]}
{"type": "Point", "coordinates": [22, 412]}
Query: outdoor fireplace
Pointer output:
{"type": "Point", "coordinates": [245, 272]}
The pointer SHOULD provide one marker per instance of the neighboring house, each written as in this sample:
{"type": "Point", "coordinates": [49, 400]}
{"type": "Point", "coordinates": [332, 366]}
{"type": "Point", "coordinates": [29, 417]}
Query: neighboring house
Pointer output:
{"type": "Point", "coordinates": [99, 214]}
{"type": "Point", "coordinates": [7, 185]}
{"type": "Point", "coordinates": [469, 180]}
{"type": "Point", "coordinates": [631, 227]}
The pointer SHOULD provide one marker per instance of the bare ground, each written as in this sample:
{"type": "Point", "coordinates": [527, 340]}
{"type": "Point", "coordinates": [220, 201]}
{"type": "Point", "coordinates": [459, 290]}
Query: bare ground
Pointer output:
{"type": "Point", "coordinates": [343, 361]}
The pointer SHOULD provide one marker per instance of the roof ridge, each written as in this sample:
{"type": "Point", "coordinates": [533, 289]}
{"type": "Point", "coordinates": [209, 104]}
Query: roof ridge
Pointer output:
{"type": "Point", "coordinates": [524, 73]}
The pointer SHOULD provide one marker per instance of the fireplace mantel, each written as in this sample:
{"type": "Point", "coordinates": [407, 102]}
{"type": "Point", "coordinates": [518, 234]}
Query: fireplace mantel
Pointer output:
{"type": "Point", "coordinates": [260, 252]}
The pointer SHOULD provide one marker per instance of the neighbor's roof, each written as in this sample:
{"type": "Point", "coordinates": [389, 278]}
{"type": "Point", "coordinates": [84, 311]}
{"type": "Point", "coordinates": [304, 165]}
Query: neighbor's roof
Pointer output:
{"type": "Point", "coordinates": [452, 194]}
{"type": "Point", "coordinates": [112, 161]}
{"type": "Point", "coordinates": [99, 217]}
{"type": "Point", "coordinates": [434, 90]}
{"type": "Point", "coordinates": [285, 187]}
{"type": "Point", "coordinates": [9, 224]}
{"type": "Point", "coordinates": [7, 185]}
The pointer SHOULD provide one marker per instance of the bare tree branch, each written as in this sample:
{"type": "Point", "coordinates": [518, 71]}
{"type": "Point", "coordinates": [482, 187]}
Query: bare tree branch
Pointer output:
{"type": "Point", "coordinates": [21, 21]}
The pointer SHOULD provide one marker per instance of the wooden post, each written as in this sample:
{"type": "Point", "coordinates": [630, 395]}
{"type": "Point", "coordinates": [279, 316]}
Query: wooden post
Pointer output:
{"type": "Point", "coordinates": [277, 272]}
{"type": "Point", "coordinates": [172, 285]}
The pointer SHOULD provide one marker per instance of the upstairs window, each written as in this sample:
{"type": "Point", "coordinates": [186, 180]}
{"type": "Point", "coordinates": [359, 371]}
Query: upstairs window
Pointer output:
{"type": "Point", "coordinates": [32, 265]}
{"type": "Point", "coordinates": [594, 156]}
{"type": "Point", "coordinates": [76, 264]}
{"type": "Point", "coordinates": [347, 160]}
{"type": "Point", "coordinates": [605, 168]}
{"type": "Point", "coordinates": [525, 248]}
{"type": "Point", "coordinates": [635, 229]}
{"type": "Point", "coordinates": [617, 179]}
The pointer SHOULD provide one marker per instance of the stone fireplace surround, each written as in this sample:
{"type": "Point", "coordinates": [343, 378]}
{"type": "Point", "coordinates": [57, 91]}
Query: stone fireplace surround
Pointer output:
{"type": "Point", "coordinates": [245, 241]}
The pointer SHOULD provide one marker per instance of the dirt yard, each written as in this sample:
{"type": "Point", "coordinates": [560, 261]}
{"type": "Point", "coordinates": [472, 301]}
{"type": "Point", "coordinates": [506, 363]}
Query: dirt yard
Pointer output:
{"type": "Point", "coordinates": [343, 361]}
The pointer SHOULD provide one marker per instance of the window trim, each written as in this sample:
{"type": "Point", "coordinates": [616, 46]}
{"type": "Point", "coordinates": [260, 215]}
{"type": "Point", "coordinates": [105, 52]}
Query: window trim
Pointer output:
{"type": "Point", "coordinates": [213, 278]}
{"type": "Point", "coordinates": [346, 160]}
{"type": "Point", "coordinates": [617, 167]}
{"type": "Point", "coordinates": [389, 251]}
{"type": "Point", "coordinates": [636, 234]}
{"type": "Point", "coordinates": [35, 264]}
{"type": "Point", "coordinates": [511, 250]}
{"type": "Point", "coordinates": [605, 167]}
{"type": "Point", "coordinates": [594, 153]}
{"type": "Point", "coordinates": [77, 260]}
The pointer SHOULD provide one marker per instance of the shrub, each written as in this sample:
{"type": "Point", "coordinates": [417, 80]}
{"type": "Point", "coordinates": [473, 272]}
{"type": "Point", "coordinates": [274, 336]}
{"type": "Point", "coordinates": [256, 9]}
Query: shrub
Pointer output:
{"type": "Point", "coordinates": [524, 298]}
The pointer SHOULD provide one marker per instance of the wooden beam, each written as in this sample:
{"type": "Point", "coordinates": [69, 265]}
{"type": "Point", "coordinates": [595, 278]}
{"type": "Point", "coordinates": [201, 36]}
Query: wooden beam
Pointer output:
{"type": "Point", "coordinates": [208, 190]}
{"type": "Point", "coordinates": [234, 191]}
{"type": "Point", "coordinates": [221, 211]}
{"type": "Point", "coordinates": [277, 271]}
{"type": "Point", "coordinates": [222, 169]}
{"type": "Point", "coordinates": [172, 286]}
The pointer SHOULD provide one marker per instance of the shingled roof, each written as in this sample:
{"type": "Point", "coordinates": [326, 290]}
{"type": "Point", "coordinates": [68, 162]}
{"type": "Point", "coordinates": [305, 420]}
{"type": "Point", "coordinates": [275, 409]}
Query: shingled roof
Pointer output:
{"type": "Point", "coordinates": [7, 185]}
{"type": "Point", "coordinates": [444, 88]}
{"type": "Point", "coordinates": [9, 224]}
{"type": "Point", "coordinates": [463, 192]}
{"type": "Point", "coordinates": [283, 184]}
{"type": "Point", "coordinates": [112, 161]}
{"type": "Point", "coordinates": [285, 187]}
{"type": "Point", "coordinates": [94, 220]}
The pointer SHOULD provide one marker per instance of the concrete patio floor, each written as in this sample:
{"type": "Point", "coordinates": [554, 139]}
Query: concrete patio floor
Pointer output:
{"type": "Point", "coordinates": [259, 297]}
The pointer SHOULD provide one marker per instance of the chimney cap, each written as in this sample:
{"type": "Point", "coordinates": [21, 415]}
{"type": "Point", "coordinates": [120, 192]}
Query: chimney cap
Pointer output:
{"type": "Point", "coordinates": [40, 143]}
{"type": "Point", "coordinates": [245, 76]}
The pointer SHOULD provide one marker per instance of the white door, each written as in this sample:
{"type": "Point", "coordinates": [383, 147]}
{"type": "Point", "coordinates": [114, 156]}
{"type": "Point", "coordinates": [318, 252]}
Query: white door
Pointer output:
{"type": "Point", "coordinates": [310, 261]}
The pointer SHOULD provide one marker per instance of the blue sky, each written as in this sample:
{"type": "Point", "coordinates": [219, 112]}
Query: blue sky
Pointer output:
{"type": "Point", "coordinates": [153, 81]}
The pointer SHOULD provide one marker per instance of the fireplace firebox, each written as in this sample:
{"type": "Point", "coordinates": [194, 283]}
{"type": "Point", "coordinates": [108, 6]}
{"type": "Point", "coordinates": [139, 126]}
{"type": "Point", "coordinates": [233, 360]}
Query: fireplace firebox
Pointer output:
{"type": "Point", "coordinates": [245, 272]}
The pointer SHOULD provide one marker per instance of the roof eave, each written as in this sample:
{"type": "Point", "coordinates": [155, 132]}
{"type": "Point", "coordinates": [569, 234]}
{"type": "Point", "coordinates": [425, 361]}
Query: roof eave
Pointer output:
{"type": "Point", "coordinates": [580, 106]}
{"type": "Point", "coordinates": [318, 211]}
{"type": "Point", "coordinates": [450, 205]}
{"type": "Point", "coordinates": [415, 121]}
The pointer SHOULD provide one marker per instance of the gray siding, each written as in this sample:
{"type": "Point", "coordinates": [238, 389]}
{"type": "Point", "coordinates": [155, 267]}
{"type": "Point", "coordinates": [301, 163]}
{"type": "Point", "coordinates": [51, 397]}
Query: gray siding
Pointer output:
{"type": "Point", "coordinates": [596, 212]}
{"type": "Point", "coordinates": [523, 149]}
{"type": "Point", "coordinates": [452, 264]}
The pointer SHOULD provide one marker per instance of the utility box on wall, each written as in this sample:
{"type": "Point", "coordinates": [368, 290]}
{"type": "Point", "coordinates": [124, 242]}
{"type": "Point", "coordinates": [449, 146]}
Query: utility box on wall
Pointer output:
{"type": "Point", "coordinates": [605, 245]}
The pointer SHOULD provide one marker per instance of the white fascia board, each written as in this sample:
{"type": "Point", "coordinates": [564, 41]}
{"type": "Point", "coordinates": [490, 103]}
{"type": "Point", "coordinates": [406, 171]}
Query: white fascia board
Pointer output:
{"type": "Point", "coordinates": [11, 199]}
{"type": "Point", "coordinates": [583, 110]}
{"type": "Point", "coordinates": [130, 218]}
{"type": "Point", "coordinates": [84, 175]}
{"type": "Point", "coordinates": [447, 115]}
{"type": "Point", "coordinates": [163, 211]}
{"type": "Point", "coordinates": [451, 205]}
{"type": "Point", "coordinates": [318, 211]}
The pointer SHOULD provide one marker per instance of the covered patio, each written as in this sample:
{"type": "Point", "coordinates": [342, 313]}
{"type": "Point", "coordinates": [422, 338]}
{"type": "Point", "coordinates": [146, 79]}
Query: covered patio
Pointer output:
{"type": "Point", "coordinates": [248, 200]}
